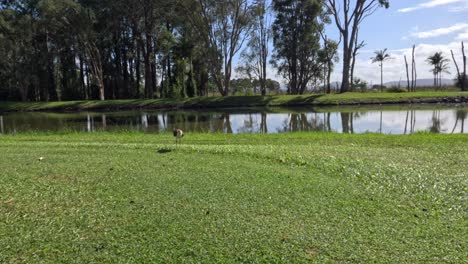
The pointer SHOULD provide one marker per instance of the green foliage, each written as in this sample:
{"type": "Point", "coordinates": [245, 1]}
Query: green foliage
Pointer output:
{"type": "Point", "coordinates": [190, 84]}
{"type": "Point", "coordinates": [297, 41]}
{"type": "Point", "coordinates": [380, 56]}
{"type": "Point", "coordinates": [360, 85]}
{"type": "Point", "coordinates": [440, 64]}
{"type": "Point", "coordinates": [273, 86]}
{"type": "Point", "coordinates": [396, 89]}
{"type": "Point", "coordinates": [242, 86]}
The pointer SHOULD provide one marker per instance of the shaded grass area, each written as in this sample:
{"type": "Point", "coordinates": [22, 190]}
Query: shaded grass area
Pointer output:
{"type": "Point", "coordinates": [242, 101]}
{"type": "Point", "coordinates": [300, 197]}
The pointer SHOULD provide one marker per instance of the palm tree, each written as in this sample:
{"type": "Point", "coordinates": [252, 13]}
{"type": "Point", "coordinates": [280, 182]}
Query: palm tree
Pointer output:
{"type": "Point", "coordinates": [440, 65]}
{"type": "Point", "coordinates": [380, 57]}
{"type": "Point", "coordinates": [435, 60]}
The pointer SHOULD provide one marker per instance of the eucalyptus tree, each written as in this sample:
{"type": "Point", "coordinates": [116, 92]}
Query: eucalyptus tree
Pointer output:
{"type": "Point", "coordinates": [357, 46]}
{"type": "Point", "coordinates": [330, 56]}
{"type": "Point", "coordinates": [462, 79]}
{"type": "Point", "coordinates": [380, 57]}
{"type": "Point", "coordinates": [296, 38]}
{"type": "Point", "coordinates": [348, 20]}
{"type": "Point", "coordinates": [225, 26]}
{"type": "Point", "coordinates": [254, 58]}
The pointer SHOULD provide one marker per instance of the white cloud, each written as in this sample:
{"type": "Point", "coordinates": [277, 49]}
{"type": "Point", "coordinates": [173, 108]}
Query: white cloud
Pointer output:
{"type": "Point", "coordinates": [440, 31]}
{"type": "Point", "coordinates": [463, 35]}
{"type": "Point", "coordinates": [460, 8]}
{"type": "Point", "coordinates": [433, 3]}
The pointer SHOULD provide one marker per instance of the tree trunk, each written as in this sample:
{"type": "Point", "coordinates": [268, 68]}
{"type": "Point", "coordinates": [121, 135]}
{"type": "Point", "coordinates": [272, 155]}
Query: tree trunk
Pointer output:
{"type": "Point", "coordinates": [147, 51]}
{"type": "Point", "coordinates": [126, 87]}
{"type": "Point", "coordinates": [351, 75]}
{"type": "Point", "coordinates": [413, 71]}
{"type": "Point", "coordinates": [96, 67]}
{"type": "Point", "coordinates": [456, 65]}
{"type": "Point", "coordinates": [148, 72]}
{"type": "Point", "coordinates": [84, 91]}
{"type": "Point", "coordinates": [24, 84]}
{"type": "Point", "coordinates": [263, 81]}
{"type": "Point", "coordinates": [345, 122]}
{"type": "Point", "coordinates": [51, 92]}
{"type": "Point", "coordinates": [153, 78]}
{"type": "Point", "coordinates": [137, 72]}
{"type": "Point", "coordinates": [357, 47]}
{"type": "Point", "coordinates": [381, 77]}
{"type": "Point", "coordinates": [263, 123]}
{"type": "Point", "coordinates": [227, 76]}
{"type": "Point", "coordinates": [407, 75]}
{"type": "Point", "coordinates": [346, 71]}
{"type": "Point", "coordinates": [465, 79]}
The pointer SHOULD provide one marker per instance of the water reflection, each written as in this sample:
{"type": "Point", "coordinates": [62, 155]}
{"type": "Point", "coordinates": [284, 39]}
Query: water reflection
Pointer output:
{"type": "Point", "coordinates": [461, 116]}
{"type": "Point", "coordinates": [393, 120]}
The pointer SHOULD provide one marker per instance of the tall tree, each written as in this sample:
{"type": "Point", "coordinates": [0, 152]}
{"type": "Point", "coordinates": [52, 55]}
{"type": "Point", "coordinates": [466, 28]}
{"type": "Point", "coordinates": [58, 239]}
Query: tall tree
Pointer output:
{"type": "Point", "coordinates": [357, 46]}
{"type": "Point", "coordinates": [296, 37]}
{"type": "Point", "coordinates": [255, 56]}
{"type": "Point", "coordinates": [440, 64]}
{"type": "Point", "coordinates": [414, 73]}
{"type": "Point", "coordinates": [225, 27]}
{"type": "Point", "coordinates": [330, 56]}
{"type": "Point", "coordinates": [462, 79]}
{"type": "Point", "coordinates": [380, 57]}
{"type": "Point", "coordinates": [348, 19]}
{"type": "Point", "coordinates": [407, 75]}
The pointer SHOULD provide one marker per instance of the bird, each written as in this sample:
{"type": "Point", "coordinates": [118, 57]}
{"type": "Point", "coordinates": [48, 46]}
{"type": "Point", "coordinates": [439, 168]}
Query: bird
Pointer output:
{"type": "Point", "coordinates": [178, 134]}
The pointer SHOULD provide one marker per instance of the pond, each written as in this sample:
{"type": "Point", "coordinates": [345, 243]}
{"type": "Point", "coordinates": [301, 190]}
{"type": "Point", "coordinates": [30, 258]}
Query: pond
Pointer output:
{"type": "Point", "coordinates": [395, 119]}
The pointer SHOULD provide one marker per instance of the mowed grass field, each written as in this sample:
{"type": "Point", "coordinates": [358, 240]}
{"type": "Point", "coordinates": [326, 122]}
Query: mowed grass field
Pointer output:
{"type": "Point", "coordinates": [286, 198]}
{"type": "Point", "coordinates": [243, 101]}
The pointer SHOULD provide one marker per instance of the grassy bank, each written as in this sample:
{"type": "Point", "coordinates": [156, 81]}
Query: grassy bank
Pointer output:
{"type": "Point", "coordinates": [288, 198]}
{"type": "Point", "coordinates": [244, 101]}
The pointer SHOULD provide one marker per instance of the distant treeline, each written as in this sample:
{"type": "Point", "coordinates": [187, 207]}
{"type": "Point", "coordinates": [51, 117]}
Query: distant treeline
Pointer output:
{"type": "Point", "coordinates": [116, 49]}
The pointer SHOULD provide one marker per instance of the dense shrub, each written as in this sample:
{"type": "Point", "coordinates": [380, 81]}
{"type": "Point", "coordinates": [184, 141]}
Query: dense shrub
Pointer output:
{"type": "Point", "coordinates": [396, 90]}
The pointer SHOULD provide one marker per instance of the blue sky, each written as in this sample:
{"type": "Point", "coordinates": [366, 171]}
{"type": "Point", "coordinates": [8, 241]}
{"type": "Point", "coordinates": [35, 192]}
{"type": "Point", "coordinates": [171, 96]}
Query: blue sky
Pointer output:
{"type": "Point", "coordinates": [431, 25]}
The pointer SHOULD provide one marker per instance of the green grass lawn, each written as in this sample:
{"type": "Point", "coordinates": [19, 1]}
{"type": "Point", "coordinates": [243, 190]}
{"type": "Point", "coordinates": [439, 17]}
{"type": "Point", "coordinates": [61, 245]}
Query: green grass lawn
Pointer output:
{"type": "Point", "coordinates": [240, 101]}
{"type": "Point", "coordinates": [290, 198]}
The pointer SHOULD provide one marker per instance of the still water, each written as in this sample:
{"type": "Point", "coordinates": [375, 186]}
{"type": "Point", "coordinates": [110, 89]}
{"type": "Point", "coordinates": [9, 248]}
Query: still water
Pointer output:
{"type": "Point", "coordinates": [387, 120]}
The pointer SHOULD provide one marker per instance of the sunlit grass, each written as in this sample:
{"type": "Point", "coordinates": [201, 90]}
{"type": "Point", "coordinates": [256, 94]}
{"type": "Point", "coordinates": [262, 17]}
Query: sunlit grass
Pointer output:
{"type": "Point", "coordinates": [237, 101]}
{"type": "Point", "coordinates": [299, 197]}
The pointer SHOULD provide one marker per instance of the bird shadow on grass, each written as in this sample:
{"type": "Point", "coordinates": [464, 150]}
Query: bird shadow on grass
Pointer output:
{"type": "Point", "coordinates": [164, 151]}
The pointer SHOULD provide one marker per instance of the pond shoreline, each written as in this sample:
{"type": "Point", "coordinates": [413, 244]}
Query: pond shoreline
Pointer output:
{"type": "Point", "coordinates": [349, 99]}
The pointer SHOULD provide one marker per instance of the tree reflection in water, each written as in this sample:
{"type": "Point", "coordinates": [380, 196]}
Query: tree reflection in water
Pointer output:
{"type": "Point", "coordinates": [460, 115]}
{"type": "Point", "coordinates": [404, 121]}
{"type": "Point", "coordinates": [2, 129]}
{"type": "Point", "coordinates": [436, 123]}
{"type": "Point", "coordinates": [300, 122]}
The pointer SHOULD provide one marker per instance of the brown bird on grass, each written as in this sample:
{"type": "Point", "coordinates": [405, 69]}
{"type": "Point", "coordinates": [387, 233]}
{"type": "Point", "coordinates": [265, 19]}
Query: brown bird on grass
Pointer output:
{"type": "Point", "coordinates": [178, 134]}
